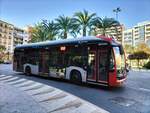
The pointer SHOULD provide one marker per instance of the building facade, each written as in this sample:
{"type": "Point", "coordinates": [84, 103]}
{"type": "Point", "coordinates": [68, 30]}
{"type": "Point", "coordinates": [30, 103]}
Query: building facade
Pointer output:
{"type": "Point", "coordinates": [115, 31]}
{"type": "Point", "coordinates": [138, 34]}
{"type": "Point", "coordinates": [128, 36]}
{"type": "Point", "coordinates": [6, 35]}
{"type": "Point", "coordinates": [10, 36]}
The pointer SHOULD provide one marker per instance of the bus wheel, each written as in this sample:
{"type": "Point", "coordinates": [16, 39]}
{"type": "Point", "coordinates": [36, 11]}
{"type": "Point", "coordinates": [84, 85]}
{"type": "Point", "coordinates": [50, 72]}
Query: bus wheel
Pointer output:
{"type": "Point", "coordinates": [28, 71]}
{"type": "Point", "coordinates": [75, 77]}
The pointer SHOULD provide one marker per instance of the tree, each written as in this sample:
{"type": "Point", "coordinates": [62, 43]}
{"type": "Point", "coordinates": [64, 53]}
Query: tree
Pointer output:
{"type": "Point", "coordinates": [84, 20]}
{"type": "Point", "coordinates": [2, 49]}
{"type": "Point", "coordinates": [129, 49]}
{"type": "Point", "coordinates": [105, 24]}
{"type": "Point", "coordinates": [143, 47]}
{"type": "Point", "coordinates": [65, 26]}
{"type": "Point", "coordinates": [38, 33]}
{"type": "Point", "coordinates": [51, 29]}
{"type": "Point", "coordinates": [44, 31]}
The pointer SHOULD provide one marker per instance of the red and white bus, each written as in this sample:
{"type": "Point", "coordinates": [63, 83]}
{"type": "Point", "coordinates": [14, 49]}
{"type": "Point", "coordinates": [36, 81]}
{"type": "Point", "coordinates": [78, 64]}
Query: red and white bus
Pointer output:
{"type": "Point", "coordinates": [95, 60]}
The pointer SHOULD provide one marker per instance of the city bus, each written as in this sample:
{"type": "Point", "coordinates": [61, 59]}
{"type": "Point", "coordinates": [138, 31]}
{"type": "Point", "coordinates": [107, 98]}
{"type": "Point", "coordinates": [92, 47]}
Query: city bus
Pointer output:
{"type": "Point", "coordinates": [94, 60]}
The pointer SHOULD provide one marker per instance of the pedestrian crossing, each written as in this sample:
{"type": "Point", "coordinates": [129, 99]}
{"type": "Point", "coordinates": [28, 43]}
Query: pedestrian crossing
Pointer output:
{"type": "Point", "coordinates": [52, 99]}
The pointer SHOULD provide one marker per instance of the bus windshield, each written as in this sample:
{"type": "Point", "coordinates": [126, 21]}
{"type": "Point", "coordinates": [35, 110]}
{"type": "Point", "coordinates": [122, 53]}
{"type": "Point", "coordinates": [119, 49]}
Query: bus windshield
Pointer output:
{"type": "Point", "coordinates": [120, 61]}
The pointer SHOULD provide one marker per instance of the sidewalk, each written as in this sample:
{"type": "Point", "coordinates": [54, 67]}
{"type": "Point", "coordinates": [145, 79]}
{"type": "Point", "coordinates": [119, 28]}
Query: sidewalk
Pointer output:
{"type": "Point", "coordinates": [14, 101]}
{"type": "Point", "coordinates": [19, 95]}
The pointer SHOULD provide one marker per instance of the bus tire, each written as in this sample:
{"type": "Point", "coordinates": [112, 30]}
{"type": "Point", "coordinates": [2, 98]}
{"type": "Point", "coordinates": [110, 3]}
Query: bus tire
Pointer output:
{"type": "Point", "coordinates": [28, 71]}
{"type": "Point", "coordinates": [75, 77]}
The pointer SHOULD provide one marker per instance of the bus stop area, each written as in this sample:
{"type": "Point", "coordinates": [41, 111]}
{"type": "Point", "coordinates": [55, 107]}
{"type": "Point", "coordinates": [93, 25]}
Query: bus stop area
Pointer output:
{"type": "Point", "coordinates": [27, 96]}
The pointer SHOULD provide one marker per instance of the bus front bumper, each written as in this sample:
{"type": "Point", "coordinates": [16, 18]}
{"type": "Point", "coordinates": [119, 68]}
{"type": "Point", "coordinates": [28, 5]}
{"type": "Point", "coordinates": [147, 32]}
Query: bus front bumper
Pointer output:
{"type": "Point", "coordinates": [120, 82]}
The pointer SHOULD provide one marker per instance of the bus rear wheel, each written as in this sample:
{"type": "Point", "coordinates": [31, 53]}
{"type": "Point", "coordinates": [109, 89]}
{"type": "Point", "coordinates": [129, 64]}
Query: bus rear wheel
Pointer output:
{"type": "Point", "coordinates": [28, 71]}
{"type": "Point", "coordinates": [75, 77]}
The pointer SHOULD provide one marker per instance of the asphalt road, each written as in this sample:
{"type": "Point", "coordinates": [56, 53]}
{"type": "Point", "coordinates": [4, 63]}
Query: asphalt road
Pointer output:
{"type": "Point", "coordinates": [133, 97]}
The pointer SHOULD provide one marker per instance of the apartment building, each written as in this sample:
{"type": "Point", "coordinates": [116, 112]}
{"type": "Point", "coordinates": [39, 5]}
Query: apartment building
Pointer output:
{"type": "Point", "coordinates": [138, 34]}
{"type": "Point", "coordinates": [29, 33]}
{"type": "Point", "coordinates": [115, 31]}
{"type": "Point", "coordinates": [10, 36]}
{"type": "Point", "coordinates": [128, 37]}
{"type": "Point", "coordinates": [6, 35]}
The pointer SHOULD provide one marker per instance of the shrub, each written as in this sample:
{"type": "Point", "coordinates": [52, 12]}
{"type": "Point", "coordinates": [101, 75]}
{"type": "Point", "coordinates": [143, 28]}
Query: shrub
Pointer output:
{"type": "Point", "coordinates": [147, 66]}
{"type": "Point", "coordinates": [1, 61]}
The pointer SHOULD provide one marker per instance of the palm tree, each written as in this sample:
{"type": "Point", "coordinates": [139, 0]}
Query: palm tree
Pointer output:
{"type": "Point", "coordinates": [105, 24]}
{"type": "Point", "coordinates": [65, 26]}
{"type": "Point", "coordinates": [38, 33]}
{"type": "Point", "coordinates": [84, 20]}
{"type": "Point", "coordinates": [44, 31]}
{"type": "Point", "coordinates": [51, 29]}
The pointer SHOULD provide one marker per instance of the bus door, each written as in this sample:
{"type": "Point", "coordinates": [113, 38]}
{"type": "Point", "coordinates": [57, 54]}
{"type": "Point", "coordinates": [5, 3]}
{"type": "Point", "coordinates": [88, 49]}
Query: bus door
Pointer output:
{"type": "Point", "coordinates": [103, 53]}
{"type": "Point", "coordinates": [19, 60]}
{"type": "Point", "coordinates": [44, 63]}
{"type": "Point", "coordinates": [91, 70]}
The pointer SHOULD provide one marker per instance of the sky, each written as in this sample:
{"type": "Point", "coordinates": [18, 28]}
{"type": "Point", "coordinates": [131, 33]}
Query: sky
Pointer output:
{"type": "Point", "coordinates": [28, 12]}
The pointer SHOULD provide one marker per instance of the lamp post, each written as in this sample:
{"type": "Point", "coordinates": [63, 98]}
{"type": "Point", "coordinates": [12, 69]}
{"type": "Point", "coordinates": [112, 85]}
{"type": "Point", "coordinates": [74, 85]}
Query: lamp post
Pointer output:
{"type": "Point", "coordinates": [116, 11]}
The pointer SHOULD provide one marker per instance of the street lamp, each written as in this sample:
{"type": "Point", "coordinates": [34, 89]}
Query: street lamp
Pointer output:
{"type": "Point", "coordinates": [117, 10]}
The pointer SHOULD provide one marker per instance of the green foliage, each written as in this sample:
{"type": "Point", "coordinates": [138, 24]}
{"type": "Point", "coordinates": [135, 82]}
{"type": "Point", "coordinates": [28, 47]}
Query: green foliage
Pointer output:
{"type": "Point", "coordinates": [1, 61]}
{"type": "Point", "coordinates": [129, 49]}
{"type": "Point", "coordinates": [51, 29]}
{"type": "Point", "coordinates": [65, 26]}
{"type": "Point", "coordinates": [2, 48]}
{"type": "Point", "coordinates": [81, 22]}
{"type": "Point", "coordinates": [147, 65]}
{"type": "Point", "coordinates": [84, 20]}
{"type": "Point", "coordinates": [44, 31]}
{"type": "Point", "coordinates": [143, 47]}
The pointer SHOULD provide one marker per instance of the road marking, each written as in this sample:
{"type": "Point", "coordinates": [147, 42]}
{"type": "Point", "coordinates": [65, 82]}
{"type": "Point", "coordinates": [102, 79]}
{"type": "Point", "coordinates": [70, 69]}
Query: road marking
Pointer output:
{"type": "Point", "coordinates": [35, 88]}
{"type": "Point", "coordinates": [56, 104]}
{"type": "Point", "coordinates": [2, 76]}
{"type": "Point", "coordinates": [140, 89]}
{"type": "Point", "coordinates": [24, 83]}
{"type": "Point", "coordinates": [44, 92]}
{"type": "Point", "coordinates": [47, 95]}
{"type": "Point", "coordinates": [12, 79]}
{"type": "Point", "coordinates": [52, 99]}
{"type": "Point", "coordinates": [6, 78]}
{"type": "Point", "coordinates": [19, 81]}
{"type": "Point", "coordinates": [143, 89]}
{"type": "Point", "coordinates": [45, 88]}
{"type": "Point", "coordinates": [71, 104]}
{"type": "Point", "coordinates": [34, 85]}
{"type": "Point", "coordinates": [55, 97]}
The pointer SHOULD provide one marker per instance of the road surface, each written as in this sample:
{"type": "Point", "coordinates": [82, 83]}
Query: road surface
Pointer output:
{"type": "Point", "coordinates": [133, 97]}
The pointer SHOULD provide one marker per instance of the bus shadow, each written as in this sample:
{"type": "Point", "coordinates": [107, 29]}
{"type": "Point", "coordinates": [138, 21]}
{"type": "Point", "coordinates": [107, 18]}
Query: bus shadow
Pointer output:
{"type": "Point", "coordinates": [86, 85]}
